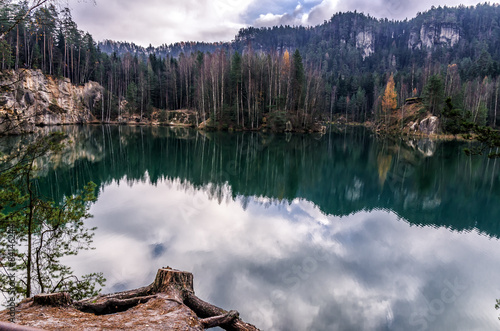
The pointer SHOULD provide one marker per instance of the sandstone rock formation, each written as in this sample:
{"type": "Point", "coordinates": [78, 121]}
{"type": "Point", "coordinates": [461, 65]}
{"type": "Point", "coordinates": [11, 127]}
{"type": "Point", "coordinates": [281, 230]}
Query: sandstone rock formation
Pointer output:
{"type": "Point", "coordinates": [434, 34]}
{"type": "Point", "coordinates": [429, 125]}
{"type": "Point", "coordinates": [366, 41]}
{"type": "Point", "coordinates": [29, 98]}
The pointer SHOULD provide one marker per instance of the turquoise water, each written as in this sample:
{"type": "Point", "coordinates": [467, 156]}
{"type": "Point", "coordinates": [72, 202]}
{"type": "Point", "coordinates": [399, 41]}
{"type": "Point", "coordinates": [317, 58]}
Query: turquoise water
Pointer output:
{"type": "Point", "coordinates": [344, 231]}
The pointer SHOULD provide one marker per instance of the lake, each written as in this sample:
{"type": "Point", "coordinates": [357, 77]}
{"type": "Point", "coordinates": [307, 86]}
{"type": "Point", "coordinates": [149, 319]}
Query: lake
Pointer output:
{"type": "Point", "coordinates": [342, 231]}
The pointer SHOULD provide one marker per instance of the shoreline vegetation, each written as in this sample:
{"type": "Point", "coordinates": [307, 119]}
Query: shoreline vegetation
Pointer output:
{"type": "Point", "coordinates": [321, 127]}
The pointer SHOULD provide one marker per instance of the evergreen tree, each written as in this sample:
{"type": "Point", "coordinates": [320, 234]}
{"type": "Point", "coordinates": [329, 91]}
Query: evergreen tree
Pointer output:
{"type": "Point", "coordinates": [433, 95]}
{"type": "Point", "coordinates": [47, 231]}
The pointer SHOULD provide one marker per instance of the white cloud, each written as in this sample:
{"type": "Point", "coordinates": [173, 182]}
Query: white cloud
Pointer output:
{"type": "Point", "coordinates": [321, 10]}
{"type": "Point", "coordinates": [158, 22]}
{"type": "Point", "coordinates": [295, 18]}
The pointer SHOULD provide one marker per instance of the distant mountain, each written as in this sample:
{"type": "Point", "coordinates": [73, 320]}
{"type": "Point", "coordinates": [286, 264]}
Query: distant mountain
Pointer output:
{"type": "Point", "coordinates": [173, 50]}
{"type": "Point", "coordinates": [446, 33]}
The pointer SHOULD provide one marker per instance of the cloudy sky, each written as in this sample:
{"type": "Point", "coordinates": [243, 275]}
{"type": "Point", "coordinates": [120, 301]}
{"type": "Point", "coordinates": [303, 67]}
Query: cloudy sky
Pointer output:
{"type": "Point", "coordinates": [158, 22]}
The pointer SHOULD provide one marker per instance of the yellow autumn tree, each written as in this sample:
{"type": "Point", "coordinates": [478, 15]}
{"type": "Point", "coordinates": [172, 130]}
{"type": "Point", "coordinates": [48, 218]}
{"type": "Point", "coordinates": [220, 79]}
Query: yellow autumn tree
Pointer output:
{"type": "Point", "coordinates": [390, 98]}
{"type": "Point", "coordinates": [286, 63]}
{"type": "Point", "coordinates": [284, 82]}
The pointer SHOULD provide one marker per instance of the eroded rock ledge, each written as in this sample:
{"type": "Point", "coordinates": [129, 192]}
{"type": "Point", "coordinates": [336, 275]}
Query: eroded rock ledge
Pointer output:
{"type": "Point", "coordinates": [169, 303]}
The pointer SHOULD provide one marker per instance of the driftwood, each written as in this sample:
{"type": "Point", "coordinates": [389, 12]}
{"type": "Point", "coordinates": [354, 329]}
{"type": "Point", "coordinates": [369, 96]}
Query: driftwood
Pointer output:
{"type": "Point", "coordinates": [170, 286]}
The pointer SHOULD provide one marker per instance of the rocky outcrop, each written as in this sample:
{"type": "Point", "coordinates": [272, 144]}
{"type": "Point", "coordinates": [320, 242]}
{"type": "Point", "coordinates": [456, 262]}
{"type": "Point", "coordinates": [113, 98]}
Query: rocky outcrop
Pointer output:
{"type": "Point", "coordinates": [365, 42]}
{"type": "Point", "coordinates": [28, 98]}
{"type": "Point", "coordinates": [434, 34]}
{"type": "Point", "coordinates": [182, 117]}
{"type": "Point", "coordinates": [429, 125]}
{"type": "Point", "coordinates": [207, 125]}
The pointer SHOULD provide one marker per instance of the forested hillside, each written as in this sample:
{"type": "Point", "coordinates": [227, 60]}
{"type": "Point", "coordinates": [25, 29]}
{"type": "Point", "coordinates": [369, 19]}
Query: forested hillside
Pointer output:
{"type": "Point", "coordinates": [343, 67]}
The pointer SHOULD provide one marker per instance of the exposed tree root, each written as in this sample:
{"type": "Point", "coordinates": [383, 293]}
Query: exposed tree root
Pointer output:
{"type": "Point", "coordinates": [212, 322]}
{"type": "Point", "coordinates": [112, 305]}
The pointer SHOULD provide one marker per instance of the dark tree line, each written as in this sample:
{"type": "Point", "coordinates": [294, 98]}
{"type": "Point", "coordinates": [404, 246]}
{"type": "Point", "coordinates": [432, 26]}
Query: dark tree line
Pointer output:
{"type": "Point", "coordinates": [229, 88]}
{"type": "Point", "coordinates": [338, 68]}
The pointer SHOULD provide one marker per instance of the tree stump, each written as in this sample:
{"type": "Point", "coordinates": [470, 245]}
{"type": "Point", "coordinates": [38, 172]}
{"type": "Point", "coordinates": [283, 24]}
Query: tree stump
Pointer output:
{"type": "Point", "coordinates": [169, 280]}
{"type": "Point", "coordinates": [53, 299]}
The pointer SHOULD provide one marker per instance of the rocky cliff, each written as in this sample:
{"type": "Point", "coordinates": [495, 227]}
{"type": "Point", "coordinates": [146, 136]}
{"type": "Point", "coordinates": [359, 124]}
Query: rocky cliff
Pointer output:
{"type": "Point", "coordinates": [366, 42]}
{"type": "Point", "coordinates": [28, 98]}
{"type": "Point", "coordinates": [434, 34]}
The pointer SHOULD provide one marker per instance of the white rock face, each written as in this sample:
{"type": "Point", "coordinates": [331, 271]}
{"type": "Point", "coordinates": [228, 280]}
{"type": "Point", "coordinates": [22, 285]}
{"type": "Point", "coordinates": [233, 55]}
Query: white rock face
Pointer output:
{"type": "Point", "coordinates": [414, 40]}
{"type": "Point", "coordinates": [431, 35]}
{"type": "Point", "coordinates": [449, 35]}
{"type": "Point", "coordinates": [30, 98]}
{"type": "Point", "coordinates": [365, 41]}
{"type": "Point", "coordinates": [427, 35]}
{"type": "Point", "coordinates": [429, 125]}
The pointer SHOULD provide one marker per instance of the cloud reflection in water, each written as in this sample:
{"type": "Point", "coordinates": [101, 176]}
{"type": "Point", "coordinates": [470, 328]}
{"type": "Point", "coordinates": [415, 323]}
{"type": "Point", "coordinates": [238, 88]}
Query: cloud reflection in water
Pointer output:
{"type": "Point", "coordinates": [285, 265]}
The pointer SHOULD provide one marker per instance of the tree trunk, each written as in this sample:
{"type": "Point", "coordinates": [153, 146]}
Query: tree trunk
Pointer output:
{"type": "Point", "coordinates": [496, 105]}
{"type": "Point", "coordinates": [30, 232]}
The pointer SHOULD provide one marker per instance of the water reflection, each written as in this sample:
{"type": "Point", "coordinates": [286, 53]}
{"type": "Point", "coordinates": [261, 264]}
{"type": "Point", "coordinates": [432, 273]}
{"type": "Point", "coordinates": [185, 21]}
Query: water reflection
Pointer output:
{"type": "Point", "coordinates": [341, 173]}
{"type": "Point", "coordinates": [340, 232]}
{"type": "Point", "coordinates": [287, 265]}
